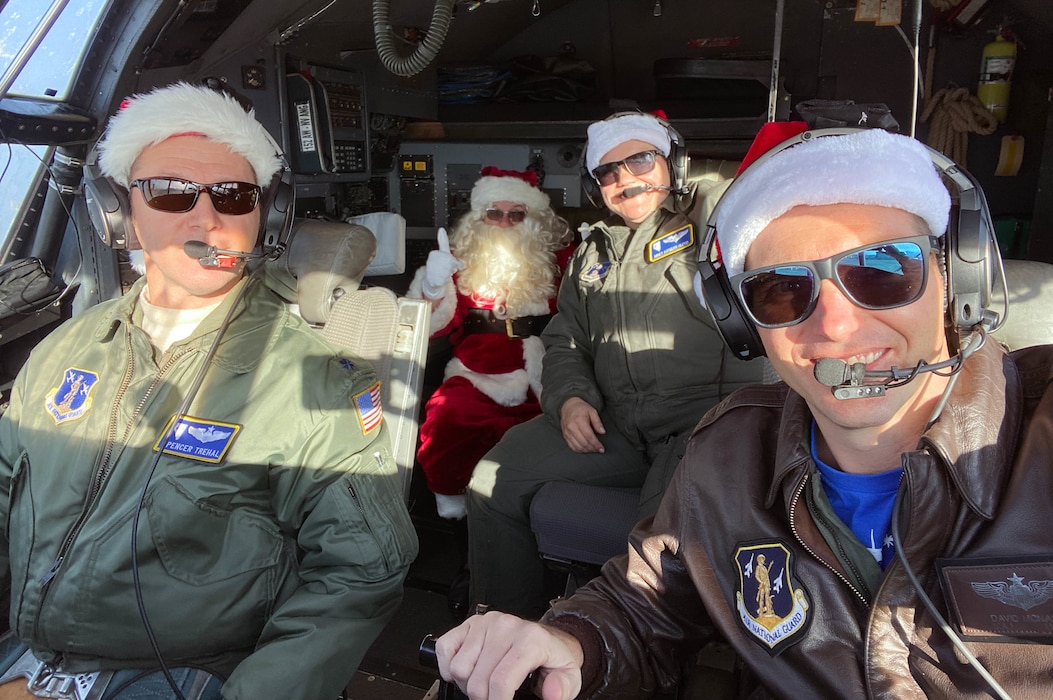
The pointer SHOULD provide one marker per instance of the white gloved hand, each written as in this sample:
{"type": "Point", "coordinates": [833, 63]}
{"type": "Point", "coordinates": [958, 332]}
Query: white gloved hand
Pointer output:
{"type": "Point", "coordinates": [439, 269]}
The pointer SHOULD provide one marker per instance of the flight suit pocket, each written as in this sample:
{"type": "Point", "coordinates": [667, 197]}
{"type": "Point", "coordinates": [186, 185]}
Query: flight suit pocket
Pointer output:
{"type": "Point", "coordinates": [199, 543]}
{"type": "Point", "coordinates": [21, 524]}
{"type": "Point", "coordinates": [378, 533]}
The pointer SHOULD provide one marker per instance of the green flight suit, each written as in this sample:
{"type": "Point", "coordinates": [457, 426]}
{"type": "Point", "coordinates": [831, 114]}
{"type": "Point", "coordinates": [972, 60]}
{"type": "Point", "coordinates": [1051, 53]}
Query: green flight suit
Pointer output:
{"type": "Point", "coordinates": [632, 339]}
{"type": "Point", "coordinates": [273, 540]}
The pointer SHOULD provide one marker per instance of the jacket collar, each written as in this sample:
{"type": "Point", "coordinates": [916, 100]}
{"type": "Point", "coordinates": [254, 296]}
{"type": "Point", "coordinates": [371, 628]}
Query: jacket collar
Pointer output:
{"type": "Point", "coordinates": [974, 438]}
{"type": "Point", "coordinates": [253, 329]}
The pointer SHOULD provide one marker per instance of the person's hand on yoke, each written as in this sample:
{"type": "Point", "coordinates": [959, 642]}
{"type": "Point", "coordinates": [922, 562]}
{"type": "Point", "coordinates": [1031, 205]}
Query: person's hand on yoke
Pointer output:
{"type": "Point", "coordinates": [489, 656]}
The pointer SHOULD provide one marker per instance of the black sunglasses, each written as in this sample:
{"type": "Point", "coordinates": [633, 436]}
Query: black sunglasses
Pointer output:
{"type": "Point", "coordinates": [877, 276]}
{"type": "Point", "coordinates": [496, 216]}
{"type": "Point", "coordinates": [174, 195]}
{"type": "Point", "coordinates": [637, 164]}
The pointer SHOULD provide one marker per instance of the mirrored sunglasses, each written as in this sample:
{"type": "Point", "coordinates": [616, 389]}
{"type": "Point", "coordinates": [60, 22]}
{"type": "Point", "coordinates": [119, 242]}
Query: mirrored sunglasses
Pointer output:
{"type": "Point", "coordinates": [496, 216]}
{"type": "Point", "coordinates": [175, 195]}
{"type": "Point", "coordinates": [877, 276]}
{"type": "Point", "coordinates": [637, 164]}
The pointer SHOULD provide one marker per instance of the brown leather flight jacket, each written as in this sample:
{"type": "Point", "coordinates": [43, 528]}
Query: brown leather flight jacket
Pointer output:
{"type": "Point", "coordinates": [977, 495]}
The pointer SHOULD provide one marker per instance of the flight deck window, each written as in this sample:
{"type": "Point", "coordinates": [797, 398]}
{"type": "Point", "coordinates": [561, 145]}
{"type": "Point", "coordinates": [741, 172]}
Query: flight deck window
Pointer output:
{"type": "Point", "coordinates": [47, 74]}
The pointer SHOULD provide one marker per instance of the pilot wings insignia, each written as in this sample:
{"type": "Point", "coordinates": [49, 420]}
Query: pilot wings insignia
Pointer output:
{"type": "Point", "coordinates": [209, 434]}
{"type": "Point", "coordinates": [1013, 591]}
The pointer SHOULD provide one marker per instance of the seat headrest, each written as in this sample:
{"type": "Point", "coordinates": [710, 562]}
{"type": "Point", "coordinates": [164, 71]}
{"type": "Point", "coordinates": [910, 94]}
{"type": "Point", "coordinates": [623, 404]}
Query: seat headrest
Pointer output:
{"type": "Point", "coordinates": [1029, 320]}
{"type": "Point", "coordinates": [325, 259]}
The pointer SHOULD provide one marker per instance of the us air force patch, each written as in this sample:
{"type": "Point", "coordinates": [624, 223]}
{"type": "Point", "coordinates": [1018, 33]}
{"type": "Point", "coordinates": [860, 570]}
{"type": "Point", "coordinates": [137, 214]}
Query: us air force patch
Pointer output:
{"type": "Point", "coordinates": [72, 398]}
{"type": "Point", "coordinates": [595, 272]}
{"type": "Point", "coordinates": [671, 243]}
{"type": "Point", "coordinates": [201, 440]}
{"type": "Point", "coordinates": [770, 607]}
{"type": "Point", "coordinates": [368, 409]}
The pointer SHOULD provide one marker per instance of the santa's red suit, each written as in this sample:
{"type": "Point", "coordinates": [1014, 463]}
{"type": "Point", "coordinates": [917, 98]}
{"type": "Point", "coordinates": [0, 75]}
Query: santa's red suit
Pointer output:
{"type": "Point", "coordinates": [493, 380]}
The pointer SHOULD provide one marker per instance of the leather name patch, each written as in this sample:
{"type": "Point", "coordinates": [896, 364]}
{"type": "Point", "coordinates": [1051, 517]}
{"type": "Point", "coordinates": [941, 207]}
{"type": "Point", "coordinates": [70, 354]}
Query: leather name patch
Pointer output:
{"type": "Point", "coordinates": [1000, 600]}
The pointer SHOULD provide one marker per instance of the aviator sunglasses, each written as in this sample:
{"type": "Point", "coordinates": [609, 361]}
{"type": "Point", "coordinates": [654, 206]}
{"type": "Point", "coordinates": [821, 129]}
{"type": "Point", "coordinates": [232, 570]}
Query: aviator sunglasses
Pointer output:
{"type": "Point", "coordinates": [637, 164]}
{"type": "Point", "coordinates": [174, 195]}
{"type": "Point", "coordinates": [496, 216]}
{"type": "Point", "coordinates": [876, 276]}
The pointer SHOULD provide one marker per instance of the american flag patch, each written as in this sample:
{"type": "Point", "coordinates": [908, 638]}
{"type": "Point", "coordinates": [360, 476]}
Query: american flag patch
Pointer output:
{"type": "Point", "coordinates": [367, 405]}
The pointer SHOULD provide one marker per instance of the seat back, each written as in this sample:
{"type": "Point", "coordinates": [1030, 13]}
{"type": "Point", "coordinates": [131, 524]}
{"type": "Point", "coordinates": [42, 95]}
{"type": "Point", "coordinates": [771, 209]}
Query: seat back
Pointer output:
{"type": "Point", "coordinates": [321, 274]}
{"type": "Point", "coordinates": [1029, 320]}
{"type": "Point", "coordinates": [392, 334]}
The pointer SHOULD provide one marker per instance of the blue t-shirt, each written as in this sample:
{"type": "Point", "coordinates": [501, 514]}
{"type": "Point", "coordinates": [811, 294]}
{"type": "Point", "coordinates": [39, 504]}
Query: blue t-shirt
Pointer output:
{"type": "Point", "coordinates": [864, 502]}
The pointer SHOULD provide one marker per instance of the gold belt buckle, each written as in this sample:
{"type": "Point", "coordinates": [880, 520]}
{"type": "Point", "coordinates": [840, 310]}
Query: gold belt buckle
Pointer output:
{"type": "Point", "coordinates": [509, 329]}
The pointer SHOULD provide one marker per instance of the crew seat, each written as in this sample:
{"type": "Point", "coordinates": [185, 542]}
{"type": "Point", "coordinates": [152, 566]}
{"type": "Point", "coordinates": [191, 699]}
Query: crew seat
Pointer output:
{"type": "Point", "coordinates": [321, 274]}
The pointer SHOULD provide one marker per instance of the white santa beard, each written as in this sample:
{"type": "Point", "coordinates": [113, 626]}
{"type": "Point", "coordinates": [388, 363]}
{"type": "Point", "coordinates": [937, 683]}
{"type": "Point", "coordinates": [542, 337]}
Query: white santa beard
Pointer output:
{"type": "Point", "coordinates": [509, 265]}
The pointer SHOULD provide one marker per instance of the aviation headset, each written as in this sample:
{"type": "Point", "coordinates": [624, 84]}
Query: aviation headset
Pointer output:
{"type": "Point", "coordinates": [109, 209]}
{"type": "Point", "coordinates": [970, 254]}
{"type": "Point", "coordinates": [677, 158]}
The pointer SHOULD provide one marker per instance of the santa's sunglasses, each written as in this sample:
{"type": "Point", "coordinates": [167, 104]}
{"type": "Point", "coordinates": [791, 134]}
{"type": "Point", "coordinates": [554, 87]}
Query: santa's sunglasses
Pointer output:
{"type": "Point", "coordinates": [496, 216]}
{"type": "Point", "coordinates": [877, 276]}
{"type": "Point", "coordinates": [638, 164]}
{"type": "Point", "coordinates": [175, 195]}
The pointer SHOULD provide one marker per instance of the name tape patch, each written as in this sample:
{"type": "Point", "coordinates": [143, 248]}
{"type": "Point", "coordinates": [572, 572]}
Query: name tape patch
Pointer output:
{"type": "Point", "coordinates": [671, 243]}
{"type": "Point", "coordinates": [1000, 600]}
{"type": "Point", "coordinates": [198, 439]}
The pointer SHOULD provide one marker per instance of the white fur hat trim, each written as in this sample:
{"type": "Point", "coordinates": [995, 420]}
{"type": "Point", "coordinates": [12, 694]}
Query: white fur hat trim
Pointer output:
{"type": "Point", "coordinates": [607, 134]}
{"type": "Point", "coordinates": [490, 189]}
{"type": "Point", "coordinates": [866, 167]}
{"type": "Point", "coordinates": [183, 108]}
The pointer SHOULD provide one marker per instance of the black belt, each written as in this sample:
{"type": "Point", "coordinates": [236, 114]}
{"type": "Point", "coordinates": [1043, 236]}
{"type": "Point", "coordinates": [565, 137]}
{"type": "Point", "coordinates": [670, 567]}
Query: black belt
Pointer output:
{"type": "Point", "coordinates": [483, 321]}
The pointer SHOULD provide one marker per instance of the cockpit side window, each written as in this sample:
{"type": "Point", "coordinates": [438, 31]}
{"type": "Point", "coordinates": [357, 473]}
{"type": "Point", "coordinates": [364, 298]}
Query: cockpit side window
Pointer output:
{"type": "Point", "coordinates": [47, 74]}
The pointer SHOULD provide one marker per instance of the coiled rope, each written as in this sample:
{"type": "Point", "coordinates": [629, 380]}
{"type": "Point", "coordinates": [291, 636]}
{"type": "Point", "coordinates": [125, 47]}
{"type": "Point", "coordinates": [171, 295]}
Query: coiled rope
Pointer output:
{"type": "Point", "coordinates": [955, 113]}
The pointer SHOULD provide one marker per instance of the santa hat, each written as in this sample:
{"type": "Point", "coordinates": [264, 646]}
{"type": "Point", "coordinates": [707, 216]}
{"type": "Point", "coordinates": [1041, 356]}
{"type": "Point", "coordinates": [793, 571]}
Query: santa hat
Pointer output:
{"type": "Point", "coordinates": [612, 132]}
{"type": "Point", "coordinates": [181, 109]}
{"type": "Point", "coordinates": [870, 166]}
{"type": "Point", "coordinates": [508, 186]}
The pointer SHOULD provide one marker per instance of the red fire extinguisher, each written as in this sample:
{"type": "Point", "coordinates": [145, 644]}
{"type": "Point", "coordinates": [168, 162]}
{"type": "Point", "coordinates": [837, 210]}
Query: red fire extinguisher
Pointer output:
{"type": "Point", "coordinates": [996, 72]}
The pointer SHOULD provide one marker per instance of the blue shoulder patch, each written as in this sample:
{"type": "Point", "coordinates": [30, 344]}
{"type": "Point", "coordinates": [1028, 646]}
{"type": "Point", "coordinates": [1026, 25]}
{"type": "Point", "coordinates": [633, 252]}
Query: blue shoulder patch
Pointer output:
{"type": "Point", "coordinates": [71, 399]}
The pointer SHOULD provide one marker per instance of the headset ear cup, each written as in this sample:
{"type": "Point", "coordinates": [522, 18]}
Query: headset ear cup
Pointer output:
{"type": "Point", "coordinates": [588, 183]}
{"type": "Point", "coordinates": [279, 209]}
{"type": "Point", "coordinates": [738, 332]}
{"type": "Point", "coordinates": [108, 208]}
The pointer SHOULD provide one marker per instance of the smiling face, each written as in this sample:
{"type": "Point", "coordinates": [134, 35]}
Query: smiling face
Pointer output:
{"type": "Point", "coordinates": [635, 210]}
{"type": "Point", "coordinates": [838, 328]}
{"type": "Point", "coordinates": [174, 279]}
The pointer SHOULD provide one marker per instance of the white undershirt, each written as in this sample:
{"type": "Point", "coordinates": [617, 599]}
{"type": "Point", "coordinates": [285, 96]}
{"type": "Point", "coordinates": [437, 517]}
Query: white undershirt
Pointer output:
{"type": "Point", "coordinates": [166, 326]}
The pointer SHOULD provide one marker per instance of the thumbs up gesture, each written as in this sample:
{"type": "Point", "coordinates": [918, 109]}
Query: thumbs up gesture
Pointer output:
{"type": "Point", "coordinates": [439, 269]}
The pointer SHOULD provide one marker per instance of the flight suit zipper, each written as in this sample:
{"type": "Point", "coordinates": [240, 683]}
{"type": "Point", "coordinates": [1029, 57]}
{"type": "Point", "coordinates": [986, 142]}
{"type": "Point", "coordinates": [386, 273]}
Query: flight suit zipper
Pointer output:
{"type": "Point", "coordinates": [793, 528]}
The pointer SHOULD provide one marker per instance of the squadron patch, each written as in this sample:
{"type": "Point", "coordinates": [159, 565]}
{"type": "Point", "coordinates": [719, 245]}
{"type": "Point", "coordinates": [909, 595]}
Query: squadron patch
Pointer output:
{"type": "Point", "coordinates": [671, 243]}
{"type": "Point", "coordinates": [770, 607]}
{"type": "Point", "coordinates": [367, 407]}
{"type": "Point", "coordinates": [595, 272]}
{"type": "Point", "coordinates": [197, 439]}
{"type": "Point", "coordinates": [72, 398]}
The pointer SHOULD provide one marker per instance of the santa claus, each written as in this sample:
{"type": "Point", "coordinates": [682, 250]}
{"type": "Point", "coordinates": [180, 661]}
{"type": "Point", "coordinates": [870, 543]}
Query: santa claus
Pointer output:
{"type": "Point", "coordinates": [492, 285]}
